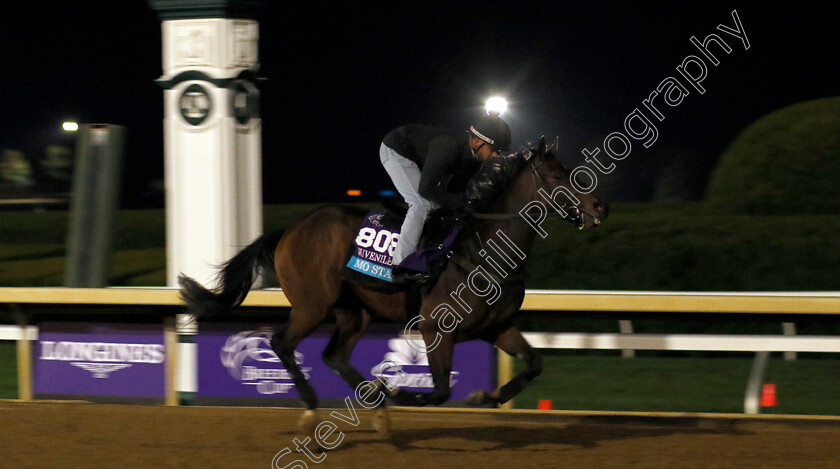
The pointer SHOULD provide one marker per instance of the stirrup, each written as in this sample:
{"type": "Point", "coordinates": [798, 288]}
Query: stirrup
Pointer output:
{"type": "Point", "coordinates": [401, 275]}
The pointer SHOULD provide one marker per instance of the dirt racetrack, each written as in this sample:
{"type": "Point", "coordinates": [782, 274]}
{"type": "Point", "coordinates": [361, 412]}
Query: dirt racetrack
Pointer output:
{"type": "Point", "coordinates": [81, 435]}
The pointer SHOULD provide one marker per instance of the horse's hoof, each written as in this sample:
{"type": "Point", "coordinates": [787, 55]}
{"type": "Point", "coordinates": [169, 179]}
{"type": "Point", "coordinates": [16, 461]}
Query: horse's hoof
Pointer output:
{"type": "Point", "coordinates": [382, 422]}
{"type": "Point", "coordinates": [477, 398]}
{"type": "Point", "coordinates": [406, 399]}
{"type": "Point", "coordinates": [308, 421]}
{"type": "Point", "coordinates": [400, 397]}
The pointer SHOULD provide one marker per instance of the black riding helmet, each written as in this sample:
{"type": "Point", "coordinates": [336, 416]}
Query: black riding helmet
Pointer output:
{"type": "Point", "coordinates": [493, 131]}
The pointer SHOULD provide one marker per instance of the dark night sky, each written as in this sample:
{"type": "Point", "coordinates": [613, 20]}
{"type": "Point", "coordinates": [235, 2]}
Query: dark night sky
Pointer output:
{"type": "Point", "coordinates": [339, 78]}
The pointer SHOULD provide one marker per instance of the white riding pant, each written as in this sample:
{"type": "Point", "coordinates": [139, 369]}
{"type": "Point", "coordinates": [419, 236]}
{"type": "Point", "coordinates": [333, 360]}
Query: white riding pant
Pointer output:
{"type": "Point", "coordinates": [406, 177]}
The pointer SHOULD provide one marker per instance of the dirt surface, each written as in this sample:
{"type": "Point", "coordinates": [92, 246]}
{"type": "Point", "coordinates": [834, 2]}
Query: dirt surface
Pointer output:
{"type": "Point", "coordinates": [80, 435]}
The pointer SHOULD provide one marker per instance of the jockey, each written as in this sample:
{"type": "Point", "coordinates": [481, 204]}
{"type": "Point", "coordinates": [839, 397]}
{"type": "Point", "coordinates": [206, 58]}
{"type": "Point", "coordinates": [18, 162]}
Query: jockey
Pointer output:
{"type": "Point", "coordinates": [421, 160]}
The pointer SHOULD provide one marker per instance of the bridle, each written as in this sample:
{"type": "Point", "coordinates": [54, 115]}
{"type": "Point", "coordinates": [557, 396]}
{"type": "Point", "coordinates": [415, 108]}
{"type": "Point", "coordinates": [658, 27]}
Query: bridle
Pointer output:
{"type": "Point", "coordinates": [574, 214]}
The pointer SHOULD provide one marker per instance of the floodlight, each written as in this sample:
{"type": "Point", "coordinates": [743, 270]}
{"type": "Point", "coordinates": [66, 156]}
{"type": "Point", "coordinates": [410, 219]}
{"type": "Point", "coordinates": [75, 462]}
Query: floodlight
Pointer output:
{"type": "Point", "coordinates": [496, 105]}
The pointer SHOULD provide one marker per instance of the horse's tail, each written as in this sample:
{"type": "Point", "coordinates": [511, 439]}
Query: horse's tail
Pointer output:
{"type": "Point", "coordinates": [234, 279]}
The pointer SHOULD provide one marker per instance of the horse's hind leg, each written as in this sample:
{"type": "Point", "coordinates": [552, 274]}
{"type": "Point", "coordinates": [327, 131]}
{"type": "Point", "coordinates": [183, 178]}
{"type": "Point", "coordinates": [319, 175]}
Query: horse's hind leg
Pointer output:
{"type": "Point", "coordinates": [512, 342]}
{"type": "Point", "coordinates": [283, 342]}
{"type": "Point", "coordinates": [350, 325]}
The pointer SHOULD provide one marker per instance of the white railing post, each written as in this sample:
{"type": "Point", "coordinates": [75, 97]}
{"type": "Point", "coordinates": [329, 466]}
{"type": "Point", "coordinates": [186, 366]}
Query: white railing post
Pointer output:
{"type": "Point", "coordinates": [789, 329]}
{"type": "Point", "coordinates": [625, 326]}
{"type": "Point", "coordinates": [752, 394]}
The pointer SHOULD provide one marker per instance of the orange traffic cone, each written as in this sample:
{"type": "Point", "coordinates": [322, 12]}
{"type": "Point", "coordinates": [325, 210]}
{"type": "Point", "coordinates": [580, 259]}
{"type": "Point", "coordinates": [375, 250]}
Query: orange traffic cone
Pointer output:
{"type": "Point", "coordinates": [544, 404]}
{"type": "Point", "coordinates": [768, 396]}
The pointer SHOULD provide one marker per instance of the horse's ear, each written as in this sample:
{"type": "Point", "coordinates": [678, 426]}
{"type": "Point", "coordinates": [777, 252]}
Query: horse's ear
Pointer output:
{"type": "Point", "coordinates": [554, 146]}
{"type": "Point", "coordinates": [541, 146]}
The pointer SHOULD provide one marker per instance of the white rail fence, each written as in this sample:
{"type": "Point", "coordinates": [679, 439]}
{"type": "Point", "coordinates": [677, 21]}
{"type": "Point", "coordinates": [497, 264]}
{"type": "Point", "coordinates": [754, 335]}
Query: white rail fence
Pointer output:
{"type": "Point", "coordinates": [765, 304]}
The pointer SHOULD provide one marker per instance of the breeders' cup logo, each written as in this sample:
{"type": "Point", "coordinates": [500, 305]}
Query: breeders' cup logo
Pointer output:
{"type": "Point", "coordinates": [376, 219]}
{"type": "Point", "coordinates": [392, 370]}
{"type": "Point", "coordinates": [402, 353]}
{"type": "Point", "coordinates": [255, 347]}
{"type": "Point", "coordinates": [102, 358]}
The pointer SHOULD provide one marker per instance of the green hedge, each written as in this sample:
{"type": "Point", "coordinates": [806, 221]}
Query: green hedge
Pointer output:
{"type": "Point", "coordinates": [640, 247]}
{"type": "Point", "coordinates": [786, 162]}
{"type": "Point", "coordinates": [686, 247]}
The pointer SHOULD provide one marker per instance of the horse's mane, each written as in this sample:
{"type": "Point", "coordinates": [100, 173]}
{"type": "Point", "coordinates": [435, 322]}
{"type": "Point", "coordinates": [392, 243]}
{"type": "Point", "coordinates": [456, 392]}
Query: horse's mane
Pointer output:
{"type": "Point", "coordinates": [493, 178]}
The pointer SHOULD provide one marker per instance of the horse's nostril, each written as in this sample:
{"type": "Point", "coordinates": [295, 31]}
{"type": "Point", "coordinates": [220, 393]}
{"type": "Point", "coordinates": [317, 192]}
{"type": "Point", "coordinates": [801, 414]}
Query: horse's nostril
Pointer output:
{"type": "Point", "coordinates": [601, 207]}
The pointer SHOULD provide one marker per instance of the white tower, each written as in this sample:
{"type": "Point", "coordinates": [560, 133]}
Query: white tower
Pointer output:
{"type": "Point", "coordinates": [212, 137]}
{"type": "Point", "coordinates": [212, 142]}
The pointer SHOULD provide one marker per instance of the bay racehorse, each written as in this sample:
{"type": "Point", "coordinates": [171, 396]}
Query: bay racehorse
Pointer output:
{"type": "Point", "coordinates": [308, 258]}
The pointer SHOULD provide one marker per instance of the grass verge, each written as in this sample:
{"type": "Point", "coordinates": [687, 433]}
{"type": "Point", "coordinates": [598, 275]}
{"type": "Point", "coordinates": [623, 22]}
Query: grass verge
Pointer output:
{"type": "Point", "coordinates": [668, 384]}
{"type": "Point", "coordinates": [8, 370]}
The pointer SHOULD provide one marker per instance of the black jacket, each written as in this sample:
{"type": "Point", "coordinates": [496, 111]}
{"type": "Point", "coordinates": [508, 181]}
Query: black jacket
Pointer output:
{"type": "Point", "coordinates": [444, 158]}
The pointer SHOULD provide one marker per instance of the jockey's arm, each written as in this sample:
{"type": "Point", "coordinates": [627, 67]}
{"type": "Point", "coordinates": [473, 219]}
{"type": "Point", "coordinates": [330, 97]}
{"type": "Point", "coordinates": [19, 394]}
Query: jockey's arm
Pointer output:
{"type": "Point", "coordinates": [440, 163]}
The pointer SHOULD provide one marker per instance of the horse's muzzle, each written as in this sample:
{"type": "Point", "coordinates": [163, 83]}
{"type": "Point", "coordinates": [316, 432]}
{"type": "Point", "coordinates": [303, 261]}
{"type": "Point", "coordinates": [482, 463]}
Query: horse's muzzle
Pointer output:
{"type": "Point", "coordinates": [594, 216]}
{"type": "Point", "coordinates": [602, 209]}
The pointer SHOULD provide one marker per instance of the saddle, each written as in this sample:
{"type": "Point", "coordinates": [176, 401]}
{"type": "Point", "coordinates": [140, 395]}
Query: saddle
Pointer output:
{"type": "Point", "coordinates": [370, 254]}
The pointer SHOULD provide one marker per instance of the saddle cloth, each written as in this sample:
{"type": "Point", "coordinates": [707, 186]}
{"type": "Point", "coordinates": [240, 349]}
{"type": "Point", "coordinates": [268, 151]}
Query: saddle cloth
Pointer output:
{"type": "Point", "coordinates": [372, 250]}
{"type": "Point", "coordinates": [370, 255]}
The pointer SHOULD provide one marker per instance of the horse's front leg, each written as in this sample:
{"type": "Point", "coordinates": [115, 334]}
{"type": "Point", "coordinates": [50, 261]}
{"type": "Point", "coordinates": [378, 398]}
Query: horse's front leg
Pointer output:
{"type": "Point", "coordinates": [440, 364]}
{"type": "Point", "coordinates": [512, 342]}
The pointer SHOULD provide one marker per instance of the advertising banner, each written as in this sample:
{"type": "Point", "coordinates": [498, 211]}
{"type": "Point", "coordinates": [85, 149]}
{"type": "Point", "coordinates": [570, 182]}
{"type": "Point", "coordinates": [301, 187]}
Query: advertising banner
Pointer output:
{"type": "Point", "coordinates": [236, 361]}
{"type": "Point", "coordinates": [77, 359]}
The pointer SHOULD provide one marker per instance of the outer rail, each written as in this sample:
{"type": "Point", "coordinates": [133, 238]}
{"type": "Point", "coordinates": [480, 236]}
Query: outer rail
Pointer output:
{"type": "Point", "coordinates": [20, 300]}
{"type": "Point", "coordinates": [535, 300]}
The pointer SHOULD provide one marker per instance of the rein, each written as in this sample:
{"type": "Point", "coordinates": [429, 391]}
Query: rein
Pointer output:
{"type": "Point", "coordinates": [574, 213]}
{"type": "Point", "coordinates": [466, 265]}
